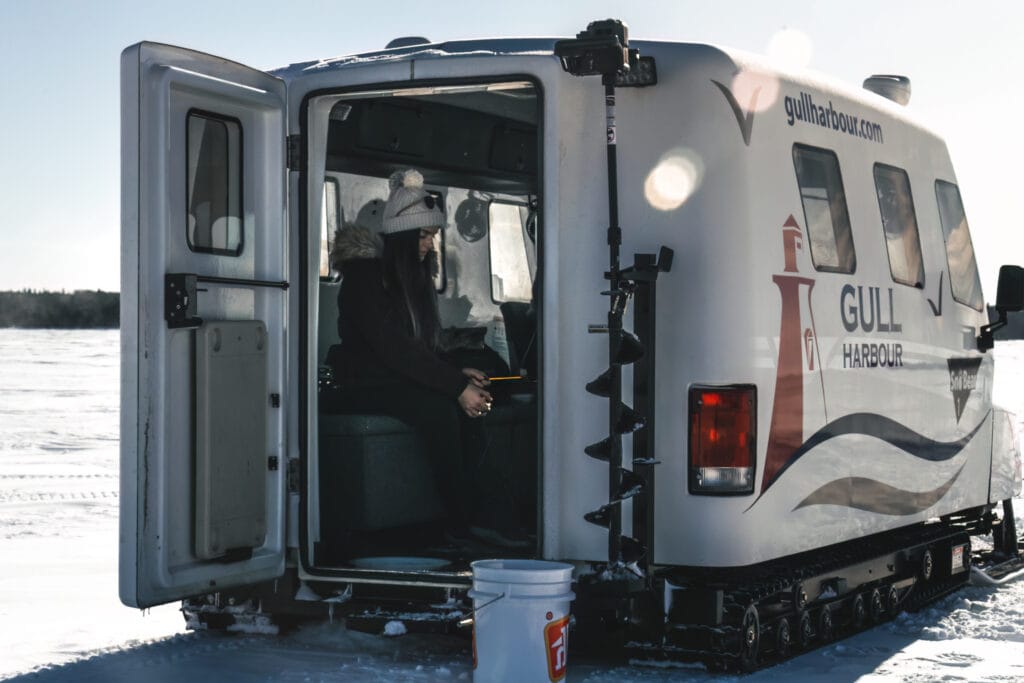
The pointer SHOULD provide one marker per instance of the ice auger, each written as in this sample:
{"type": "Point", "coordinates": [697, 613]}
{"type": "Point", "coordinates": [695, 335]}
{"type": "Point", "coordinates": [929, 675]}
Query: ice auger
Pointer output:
{"type": "Point", "coordinates": [603, 49]}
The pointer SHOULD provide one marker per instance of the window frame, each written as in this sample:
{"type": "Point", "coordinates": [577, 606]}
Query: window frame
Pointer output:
{"type": "Point", "coordinates": [970, 240]}
{"type": "Point", "coordinates": [223, 118]}
{"type": "Point", "coordinates": [798, 147]}
{"type": "Point", "coordinates": [913, 214]}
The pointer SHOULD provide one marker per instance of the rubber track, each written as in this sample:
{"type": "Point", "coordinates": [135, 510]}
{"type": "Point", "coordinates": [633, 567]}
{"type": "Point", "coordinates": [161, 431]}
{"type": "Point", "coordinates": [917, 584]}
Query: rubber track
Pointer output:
{"type": "Point", "coordinates": [769, 586]}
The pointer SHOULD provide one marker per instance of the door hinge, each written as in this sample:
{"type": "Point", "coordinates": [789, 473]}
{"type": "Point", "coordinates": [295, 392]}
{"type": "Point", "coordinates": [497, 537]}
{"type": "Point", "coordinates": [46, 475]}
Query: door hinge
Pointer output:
{"type": "Point", "coordinates": [294, 152]}
{"type": "Point", "coordinates": [272, 463]}
{"type": "Point", "coordinates": [275, 400]}
{"type": "Point", "coordinates": [293, 475]}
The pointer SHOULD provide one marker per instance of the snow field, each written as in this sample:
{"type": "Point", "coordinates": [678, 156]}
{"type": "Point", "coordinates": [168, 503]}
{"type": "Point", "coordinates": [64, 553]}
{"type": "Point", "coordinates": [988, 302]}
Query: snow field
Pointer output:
{"type": "Point", "coordinates": [61, 620]}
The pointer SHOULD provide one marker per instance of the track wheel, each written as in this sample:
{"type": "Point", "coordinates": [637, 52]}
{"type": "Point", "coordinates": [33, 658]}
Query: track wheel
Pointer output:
{"type": "Point", "coordinates": [750, 632]}
{"type": "Point", "coordinates": [783, 638]}
{"type": "Point", "coordinates": [826, 629]}
{"type": "Point", "coordinates": [805, 632]}
{"type": "Point", "coordinates": [1009, 529]}
{"type": "Point", "coordinates": [927, 565]}
{"type": "Point", "coordinates": [859, 612]}
{"type": "Point", "coordinates": [876, 606]}
{"type": "Point", "coordinates": [799, 596]}
{"type": "Point", "coordinates": [892, 601]}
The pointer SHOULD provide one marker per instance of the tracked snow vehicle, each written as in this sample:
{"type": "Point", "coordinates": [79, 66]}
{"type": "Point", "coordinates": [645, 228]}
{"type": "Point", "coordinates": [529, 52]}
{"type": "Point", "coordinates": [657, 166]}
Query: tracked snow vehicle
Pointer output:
{"type": "Point", "coordinates": [753, 399]}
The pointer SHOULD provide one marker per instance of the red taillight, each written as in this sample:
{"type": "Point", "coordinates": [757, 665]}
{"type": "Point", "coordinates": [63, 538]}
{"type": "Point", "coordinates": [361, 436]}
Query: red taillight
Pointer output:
{"type": "Point", "coordinates": [723, 438]}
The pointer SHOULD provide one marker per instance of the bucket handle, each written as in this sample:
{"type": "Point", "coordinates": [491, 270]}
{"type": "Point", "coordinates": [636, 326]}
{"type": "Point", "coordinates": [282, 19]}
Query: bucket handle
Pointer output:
{"type": "Point", "coordinates": [472, 613]}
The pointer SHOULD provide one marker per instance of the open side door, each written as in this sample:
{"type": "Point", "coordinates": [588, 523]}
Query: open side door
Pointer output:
{"type": "Point", "coordinates": [204, 309]}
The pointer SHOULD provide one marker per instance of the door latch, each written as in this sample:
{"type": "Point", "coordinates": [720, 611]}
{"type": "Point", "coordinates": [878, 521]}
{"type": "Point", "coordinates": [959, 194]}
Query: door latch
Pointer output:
{"type": "Point", "coordinates": [180, 300]}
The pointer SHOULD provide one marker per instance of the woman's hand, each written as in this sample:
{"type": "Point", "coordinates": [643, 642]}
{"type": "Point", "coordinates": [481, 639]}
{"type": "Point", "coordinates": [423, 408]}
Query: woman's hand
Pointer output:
{"type": "Point", "coordinates": [474, 401]}
{"type": "Point", "coordinates": [476, 377]}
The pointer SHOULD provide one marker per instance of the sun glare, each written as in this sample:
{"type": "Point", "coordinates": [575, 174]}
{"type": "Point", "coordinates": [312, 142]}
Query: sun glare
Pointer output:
{"type": "Point", "coordinates": [755, 92]}
{"type": "Point", "coordinates": [791, 47]}
{"type": "Point", "coordinates": [674, 179]}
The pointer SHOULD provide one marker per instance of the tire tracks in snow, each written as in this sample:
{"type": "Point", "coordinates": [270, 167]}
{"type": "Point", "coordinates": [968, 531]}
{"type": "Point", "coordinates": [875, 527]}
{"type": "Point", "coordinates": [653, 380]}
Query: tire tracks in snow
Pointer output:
{"type": "Point", "coordinates": [60, 496]}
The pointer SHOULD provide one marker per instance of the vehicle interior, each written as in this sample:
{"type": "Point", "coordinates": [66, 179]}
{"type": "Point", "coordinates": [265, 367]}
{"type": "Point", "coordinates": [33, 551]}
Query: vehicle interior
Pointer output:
{"type": "Point", "coordinates": [477, 147]}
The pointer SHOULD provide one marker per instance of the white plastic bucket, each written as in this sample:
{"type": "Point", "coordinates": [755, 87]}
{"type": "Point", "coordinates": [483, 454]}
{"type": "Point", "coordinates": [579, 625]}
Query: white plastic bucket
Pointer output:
{"type": "Point", "coordinates": [520, 620]}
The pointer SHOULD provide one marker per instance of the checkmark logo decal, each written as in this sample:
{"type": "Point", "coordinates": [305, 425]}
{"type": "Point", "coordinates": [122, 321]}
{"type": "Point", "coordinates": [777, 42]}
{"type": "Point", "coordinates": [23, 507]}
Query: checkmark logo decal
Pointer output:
{"type": "Point", "coordinates": [745, 119]}
{"type": "Point", "coordinates": [937, 310]}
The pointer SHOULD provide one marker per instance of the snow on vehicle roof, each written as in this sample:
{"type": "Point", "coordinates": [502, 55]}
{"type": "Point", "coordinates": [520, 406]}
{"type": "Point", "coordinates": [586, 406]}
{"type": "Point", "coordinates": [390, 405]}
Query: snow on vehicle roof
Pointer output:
{"type": "Point", "coordinates": [456, 48]}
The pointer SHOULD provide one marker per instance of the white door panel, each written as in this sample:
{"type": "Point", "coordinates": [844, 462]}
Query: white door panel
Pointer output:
{"type": "Point", "coordinates": [202, 441]}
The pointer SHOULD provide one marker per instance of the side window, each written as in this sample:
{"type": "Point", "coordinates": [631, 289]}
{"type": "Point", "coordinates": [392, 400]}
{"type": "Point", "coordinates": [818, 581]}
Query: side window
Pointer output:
{"type": "Point", "coordinates": [899, 224]}
{"type": "Point", "coordinates": [510, 267]}
{"type": "Point", "coordinates": [441, 278]}
{"type": "Point", "coordinates": [963, 269]}
{"type": "Point", "coordinates": [824, 202]}
{"type": "Point", "coordinates": [329, 223]}
{"type": "Point", "coordinates": [214, 177]}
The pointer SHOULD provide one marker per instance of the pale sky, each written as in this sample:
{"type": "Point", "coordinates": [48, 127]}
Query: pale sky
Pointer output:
{"type": "Point", "coordinates": [59, 89]}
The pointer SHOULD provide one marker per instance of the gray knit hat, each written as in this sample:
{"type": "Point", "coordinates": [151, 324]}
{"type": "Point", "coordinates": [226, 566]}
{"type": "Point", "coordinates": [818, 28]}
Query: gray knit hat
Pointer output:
{"type": "Point", "coordinates": [410, 207]}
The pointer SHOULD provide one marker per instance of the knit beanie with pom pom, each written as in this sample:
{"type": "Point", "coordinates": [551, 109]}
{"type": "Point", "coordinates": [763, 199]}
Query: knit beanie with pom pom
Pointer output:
{"type": "Point", "coordinates": [409, 206]}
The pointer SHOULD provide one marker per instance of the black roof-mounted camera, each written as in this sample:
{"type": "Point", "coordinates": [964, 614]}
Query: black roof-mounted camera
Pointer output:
{"type": "Point", "coordinates": [603, 50]}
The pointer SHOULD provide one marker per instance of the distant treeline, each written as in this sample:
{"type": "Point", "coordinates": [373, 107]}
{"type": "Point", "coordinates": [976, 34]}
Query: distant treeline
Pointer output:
{"type": "Point", "coordinates": [78, 309]}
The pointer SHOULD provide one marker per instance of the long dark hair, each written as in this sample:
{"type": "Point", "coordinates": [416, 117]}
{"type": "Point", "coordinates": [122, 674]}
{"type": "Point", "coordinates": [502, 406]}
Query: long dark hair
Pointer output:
{"type": "Point", "coordinates": [412, 281]}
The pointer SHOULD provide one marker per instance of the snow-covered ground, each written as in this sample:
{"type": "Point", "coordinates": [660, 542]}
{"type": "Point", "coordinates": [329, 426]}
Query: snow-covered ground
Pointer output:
{"type": "Point", "coordinates": [60, 618]}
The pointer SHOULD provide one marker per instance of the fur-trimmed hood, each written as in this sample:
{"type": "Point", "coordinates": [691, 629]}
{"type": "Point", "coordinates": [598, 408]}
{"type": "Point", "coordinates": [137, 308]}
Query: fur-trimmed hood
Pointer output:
{"type": "Point", "coordinates": [354, 242]}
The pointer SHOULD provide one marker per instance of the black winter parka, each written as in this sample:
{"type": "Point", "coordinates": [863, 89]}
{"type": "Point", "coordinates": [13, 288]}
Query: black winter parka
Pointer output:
{"type": "Point", "coordinates": [377, 341]}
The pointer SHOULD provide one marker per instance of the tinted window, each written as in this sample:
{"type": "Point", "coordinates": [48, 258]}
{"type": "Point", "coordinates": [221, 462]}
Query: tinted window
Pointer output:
{"type": "Point", "coordinates": [214, 192]}
{"type": "Point", "coordinates": [824, 202]}
{"type": "Point", "coordinates": [963, 269]}
{"type": "Point", "coordinates": [899, 224]}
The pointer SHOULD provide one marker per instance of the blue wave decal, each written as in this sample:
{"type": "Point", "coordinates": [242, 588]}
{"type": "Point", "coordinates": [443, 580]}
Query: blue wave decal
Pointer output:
{"type": "Point", "coordinates": [884, 429]}
{"type": "Point", "coordinates": [874, 496]}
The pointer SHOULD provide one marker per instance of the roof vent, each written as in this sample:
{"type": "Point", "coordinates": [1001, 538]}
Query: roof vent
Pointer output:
{"type": "Point", "coordinates": [895, 88]}
{"type": "Point", "coordinates": [407, 41]}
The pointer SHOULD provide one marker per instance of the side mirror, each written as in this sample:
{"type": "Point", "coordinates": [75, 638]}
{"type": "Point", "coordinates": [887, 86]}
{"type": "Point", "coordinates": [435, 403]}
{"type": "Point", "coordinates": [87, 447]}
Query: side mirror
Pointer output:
{"type": "Point", "coordinates": [1009, 297]}
{"type": "Point", "coordinates": [1010, 291]}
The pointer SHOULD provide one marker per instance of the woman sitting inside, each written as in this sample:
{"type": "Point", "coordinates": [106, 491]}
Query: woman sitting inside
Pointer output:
{"type": "Point", "coordinates": [389, 361]}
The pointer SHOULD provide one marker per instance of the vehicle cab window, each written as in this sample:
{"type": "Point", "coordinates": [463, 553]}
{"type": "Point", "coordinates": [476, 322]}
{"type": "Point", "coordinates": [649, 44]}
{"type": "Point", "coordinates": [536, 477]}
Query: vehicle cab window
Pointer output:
{"type": "Point", "coordinates": [329, 224]}
{"type": "Point", "coordinates": [824, 203]}
{"type": "Point", "coordinates": [899, 224]}
{"type": "Point", "coordinates": [963, 269]}
{"type": "Point", "coordinates": [510, 268]}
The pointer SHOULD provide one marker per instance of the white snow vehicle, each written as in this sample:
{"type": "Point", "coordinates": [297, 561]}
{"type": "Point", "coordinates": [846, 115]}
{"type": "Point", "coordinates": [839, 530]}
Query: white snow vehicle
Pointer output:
{"type": "Point", "coordinates": [788, 431]}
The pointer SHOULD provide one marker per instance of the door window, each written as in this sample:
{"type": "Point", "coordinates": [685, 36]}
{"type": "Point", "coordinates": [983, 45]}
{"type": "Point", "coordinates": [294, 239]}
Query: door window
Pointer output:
{"type": "Point", "coordinates": [214, 145]}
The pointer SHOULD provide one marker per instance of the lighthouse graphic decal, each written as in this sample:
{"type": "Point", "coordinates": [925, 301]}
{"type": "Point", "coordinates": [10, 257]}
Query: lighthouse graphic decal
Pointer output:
{"type": "Point", "coordinates": [799, 355]}
{"type": "Point", "coordinates": [797, 351]}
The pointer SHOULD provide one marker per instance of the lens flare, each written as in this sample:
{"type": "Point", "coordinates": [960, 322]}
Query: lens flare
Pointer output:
{"type": "Point", "coordinates": [674, 179]}
{"type": "Point", "coordinates": [791, 47]}
{"type": "Point", "coordinates": [754, 91]}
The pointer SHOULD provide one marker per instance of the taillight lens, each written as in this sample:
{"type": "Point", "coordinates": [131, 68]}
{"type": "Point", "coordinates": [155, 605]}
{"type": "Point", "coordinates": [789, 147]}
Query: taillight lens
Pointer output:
{"type": "Point", "coordinates": [723, 439]}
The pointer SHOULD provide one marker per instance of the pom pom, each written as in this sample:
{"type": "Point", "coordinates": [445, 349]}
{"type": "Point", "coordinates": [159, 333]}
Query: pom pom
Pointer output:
{"type": "Point", "coordinates": [413, 179]}
{"type": "Point", "coordinates": [409, 178]}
